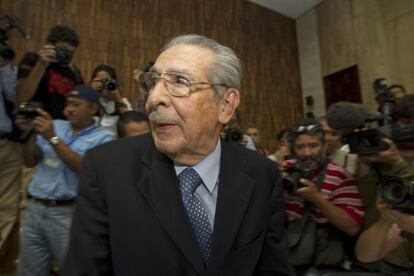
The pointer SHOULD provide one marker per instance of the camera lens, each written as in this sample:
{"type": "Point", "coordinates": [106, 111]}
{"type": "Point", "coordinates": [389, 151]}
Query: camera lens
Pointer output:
{"type": "Point", "coordinates": [63, 55]}
{"type": "Point", "coordinates": [394, 191]}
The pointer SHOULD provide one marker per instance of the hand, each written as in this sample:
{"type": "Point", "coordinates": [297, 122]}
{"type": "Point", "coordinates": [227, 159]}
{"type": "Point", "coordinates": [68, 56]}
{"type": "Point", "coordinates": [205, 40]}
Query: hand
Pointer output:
{"type": "Point", "coordinates": [244, 141]}
{"type": "Point", "coordinates": [391, 156]}
{"type": "Point", "coordinates": [97, 84]}
{"type": "Point", "coordinates": [44, 124]}
{"type": "Point", "coordinates": [114, 95]}
{"type": "Point", "coordinates": [388, 214]}
{"type": "Point", "coordinates": [47, 54]}
{"type": "Point", "coordinates": [308, 191]}
{"type": "Point", "coordinates": [25, 125]}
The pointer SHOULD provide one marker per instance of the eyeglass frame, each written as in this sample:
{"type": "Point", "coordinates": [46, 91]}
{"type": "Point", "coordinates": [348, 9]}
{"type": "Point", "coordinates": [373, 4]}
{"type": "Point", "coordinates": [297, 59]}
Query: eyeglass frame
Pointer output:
{"type": "Point", "coordinates": [312, 130]}
{"type": "Point", "coordinates": [160, 76]}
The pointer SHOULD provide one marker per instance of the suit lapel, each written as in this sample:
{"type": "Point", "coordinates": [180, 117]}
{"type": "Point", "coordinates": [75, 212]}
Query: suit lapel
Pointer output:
{"type": "Point", "coordinates": [160, 189]}
{"type": "Point", "coordinates": [234, 193]}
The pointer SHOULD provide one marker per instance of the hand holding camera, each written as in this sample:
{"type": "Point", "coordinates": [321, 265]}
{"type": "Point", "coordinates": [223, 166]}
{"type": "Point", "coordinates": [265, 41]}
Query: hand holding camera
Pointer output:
{"type": "Point", "coordinates": [391, 155]}
{"type": "Point", "coordinates": [47, 54]}
{"type": "Point", "coordinates": [44, 124]}
{"type": "Point", "coordinates": [51, 54]}
{"type": "Point", "coordinates": [108, 87]}
{"type": "Point", "coordinates": [30, 116]}
{"type": "Point", "coordinates": [307, 190]}
{"type": "Point", "coordinates": [25, 125]}
{"type": "Point", "coordinates": [390, 215]}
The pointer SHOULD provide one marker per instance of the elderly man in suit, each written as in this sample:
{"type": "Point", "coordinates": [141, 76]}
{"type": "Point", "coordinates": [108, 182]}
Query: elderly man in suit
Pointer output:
{"type": "Point", "coordinates": [181, 201]}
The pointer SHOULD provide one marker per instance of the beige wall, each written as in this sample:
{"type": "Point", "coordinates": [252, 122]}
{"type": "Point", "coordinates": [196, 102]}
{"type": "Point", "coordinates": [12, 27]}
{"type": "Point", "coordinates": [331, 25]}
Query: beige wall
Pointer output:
{"type": "Point", "coordinates": [374, 34]}
{"type": "Point", "coordinates": [310, 61]}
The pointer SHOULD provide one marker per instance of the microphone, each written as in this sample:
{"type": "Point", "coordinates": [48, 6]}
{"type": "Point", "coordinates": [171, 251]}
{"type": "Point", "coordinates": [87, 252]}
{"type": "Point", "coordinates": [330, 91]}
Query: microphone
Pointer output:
{"type": "Point", "coordinates": [345, 117]}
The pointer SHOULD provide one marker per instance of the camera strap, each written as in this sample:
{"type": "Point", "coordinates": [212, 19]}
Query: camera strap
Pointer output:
{"type": "Point", "coordinates": [319, 182]}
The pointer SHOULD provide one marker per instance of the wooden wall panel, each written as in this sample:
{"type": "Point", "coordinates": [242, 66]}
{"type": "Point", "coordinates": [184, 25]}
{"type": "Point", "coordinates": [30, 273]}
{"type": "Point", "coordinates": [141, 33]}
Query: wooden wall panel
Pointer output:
{"type": "Point", "coordinates": [128, 33]}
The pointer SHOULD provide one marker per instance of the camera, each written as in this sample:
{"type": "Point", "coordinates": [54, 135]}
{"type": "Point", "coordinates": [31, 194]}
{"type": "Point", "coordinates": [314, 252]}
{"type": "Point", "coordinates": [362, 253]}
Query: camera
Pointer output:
{"type": "Point", "coordinates": [367, 142]}
{"type": "Point", "coordinates": [371, 141]}
{"type": "Point", "coordinates": [109, 84]}
{"type": "Point", "coordinates": [294, 174]}
{"type": "Point", "coordinates": [398, 193]}
{"type": "Point", "coordinates": [63, 55]}
{"type": "Point", "coordinates": [233, 135]}
{"type": "Point", "coordinates": [28, 110]}
{"type": "Point", "coordinates": [11, 21]}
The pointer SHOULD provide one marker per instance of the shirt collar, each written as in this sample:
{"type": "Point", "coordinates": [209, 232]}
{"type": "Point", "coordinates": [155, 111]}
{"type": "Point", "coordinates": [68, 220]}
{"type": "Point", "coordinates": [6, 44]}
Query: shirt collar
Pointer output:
{"type": "Point", "coordinates": [82, 132]}
{"type": "Point", "coordinates": [208, 168]}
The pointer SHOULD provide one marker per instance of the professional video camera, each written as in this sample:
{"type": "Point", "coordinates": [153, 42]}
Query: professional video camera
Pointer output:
{"type": "Point", "coordinates": [371, 140]}
{"type": "Point", "coordinates": [233, 135]}
{"type": "Point", "coordinates": [28, 110]}
{"type": "Point", "coordinates": [109, 84]}
{"type": "Point", "coordinates": [9, 21]}
{"type": "Point", "coordinates": [294, 174]}
{"type": "Point", "coordinates": [397, 193]}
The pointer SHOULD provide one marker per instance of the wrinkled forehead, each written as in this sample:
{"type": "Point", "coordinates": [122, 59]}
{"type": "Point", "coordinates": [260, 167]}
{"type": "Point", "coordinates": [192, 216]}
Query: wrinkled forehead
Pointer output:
{"type": "Point", "coordinates": [190, 60]}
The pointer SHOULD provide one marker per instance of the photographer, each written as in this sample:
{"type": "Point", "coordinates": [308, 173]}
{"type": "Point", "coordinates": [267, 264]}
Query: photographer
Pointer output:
{"type": "Point", "coordinates": [48, 75]}
{"type": "Point", "coordinates": [104, 80]}
{"type": "Point", "coordinates": [398, 91]}
{"type": "Point", "coordinates": [10, 157]}
{"type": "Point", "coordinates": [336, 151]}
{"type": "Point", "coordinates": [389, 232]}
{"type": "Point", "coordinates": [58, 150]}
{"type": "Point", "coordinates": [254, 133]}
{"type": "Point", "coordinates": [283, 151]}
{"type": "Point", "coordinates": [233, 134]}
{"type": "Point", "coordinates": [321, 201]}
{"type": "Point", "coordinates": [391, 171]}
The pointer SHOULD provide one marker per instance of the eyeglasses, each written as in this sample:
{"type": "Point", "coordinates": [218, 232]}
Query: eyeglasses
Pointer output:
{"type": "Point", "coordinates": [176, 85]}
{"type": "Point", "coordinates": [307, 129]}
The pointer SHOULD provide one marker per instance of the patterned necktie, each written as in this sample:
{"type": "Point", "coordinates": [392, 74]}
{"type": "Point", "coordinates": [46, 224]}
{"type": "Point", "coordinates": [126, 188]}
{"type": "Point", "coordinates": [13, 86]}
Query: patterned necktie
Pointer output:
{"type": "Point", "coordinates": [189, 181]}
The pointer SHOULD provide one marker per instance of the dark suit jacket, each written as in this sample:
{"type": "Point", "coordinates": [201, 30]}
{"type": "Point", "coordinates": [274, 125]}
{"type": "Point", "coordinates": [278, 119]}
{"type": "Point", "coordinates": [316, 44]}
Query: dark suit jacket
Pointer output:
{"type": "Point", "coordinates": [130, 220]}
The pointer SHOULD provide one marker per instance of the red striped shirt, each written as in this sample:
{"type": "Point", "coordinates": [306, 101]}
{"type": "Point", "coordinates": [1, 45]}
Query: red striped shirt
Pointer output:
{"type": "Point", "coordinates": [338, 187]}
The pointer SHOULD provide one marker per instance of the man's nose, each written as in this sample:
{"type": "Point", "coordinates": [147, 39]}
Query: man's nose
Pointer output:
{"type": "Point", "coordinates": [158, 96]}
{"type": "Point", "coordinates": [306, 151]}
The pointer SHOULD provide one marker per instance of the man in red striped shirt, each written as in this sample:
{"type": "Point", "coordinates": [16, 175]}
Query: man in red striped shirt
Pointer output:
{"type": "Point", "coordinates": [330, 192]}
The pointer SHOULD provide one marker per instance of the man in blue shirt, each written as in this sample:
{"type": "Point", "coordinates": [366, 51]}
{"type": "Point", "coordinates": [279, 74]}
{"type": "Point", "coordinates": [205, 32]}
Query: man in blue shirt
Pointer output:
{"type": "Point", "coordinates": [10, 160]}
{"type": "Point", "coordinates": [57, 149]}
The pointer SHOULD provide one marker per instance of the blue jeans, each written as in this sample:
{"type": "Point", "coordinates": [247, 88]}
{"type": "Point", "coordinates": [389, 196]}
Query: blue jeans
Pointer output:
{"type": "Point", "coordinates": [44, 238]}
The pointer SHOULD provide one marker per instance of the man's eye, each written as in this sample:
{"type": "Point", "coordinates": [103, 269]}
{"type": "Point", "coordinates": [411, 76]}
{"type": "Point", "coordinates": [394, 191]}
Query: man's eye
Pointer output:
{"type": "Point", "coordinates": [179, 80]}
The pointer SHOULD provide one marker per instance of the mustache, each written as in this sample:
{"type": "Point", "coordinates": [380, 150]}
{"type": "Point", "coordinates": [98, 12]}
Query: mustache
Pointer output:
{"type": "Point", "coordinates": [159, 117]}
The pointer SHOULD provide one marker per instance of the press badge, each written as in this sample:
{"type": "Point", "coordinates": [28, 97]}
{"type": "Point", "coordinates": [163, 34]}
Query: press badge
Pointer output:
{"type": "Point", "coordinates": [53, 162]}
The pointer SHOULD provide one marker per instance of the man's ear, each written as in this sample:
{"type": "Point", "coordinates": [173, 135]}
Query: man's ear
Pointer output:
{"type": "Point", "coordinates": [228, 105]}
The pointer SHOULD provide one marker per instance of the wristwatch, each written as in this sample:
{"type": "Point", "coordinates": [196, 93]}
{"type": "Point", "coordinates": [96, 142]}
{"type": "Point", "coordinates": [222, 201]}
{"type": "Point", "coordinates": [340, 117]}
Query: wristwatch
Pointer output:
{"type": "Point", "coordinates": [55, 140]}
